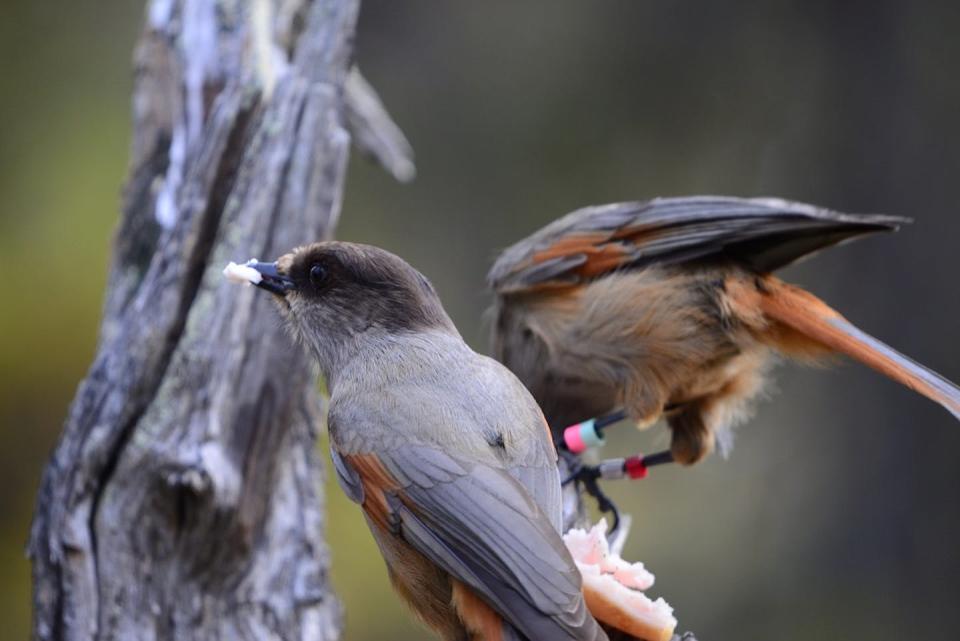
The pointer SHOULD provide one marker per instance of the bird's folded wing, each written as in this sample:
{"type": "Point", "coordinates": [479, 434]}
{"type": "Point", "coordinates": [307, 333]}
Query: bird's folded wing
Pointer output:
{"type": "Point", "coordinates": [480, 525]}
{"type": "Point", "coordinates": [347, 477]}
{"type": "Point", "coordinates": [763, 233]}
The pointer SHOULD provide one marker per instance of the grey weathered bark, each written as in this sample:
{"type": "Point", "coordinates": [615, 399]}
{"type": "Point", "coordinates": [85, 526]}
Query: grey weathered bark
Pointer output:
{"type": "Point", "coordinates": [183, 498]}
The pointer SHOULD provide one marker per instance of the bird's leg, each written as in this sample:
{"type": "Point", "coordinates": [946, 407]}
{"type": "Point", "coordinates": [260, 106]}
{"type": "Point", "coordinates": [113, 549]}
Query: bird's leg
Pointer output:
{"type": "Point", "coordinates": [643, 399]}
{"type": "Point", "coordinates": [692, 437]}
{"type": "Point", "coordinates": [574, 465]}
{"type": "Point", "coordinates": [587, 478]}
{"type": "Point", "coordinates": [604, 504]}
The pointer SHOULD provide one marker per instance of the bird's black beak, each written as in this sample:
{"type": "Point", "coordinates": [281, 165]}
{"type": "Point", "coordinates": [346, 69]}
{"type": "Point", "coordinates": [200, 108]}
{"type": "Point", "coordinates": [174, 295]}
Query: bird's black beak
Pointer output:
{"type": "Point", "coordinates": [272, 280]}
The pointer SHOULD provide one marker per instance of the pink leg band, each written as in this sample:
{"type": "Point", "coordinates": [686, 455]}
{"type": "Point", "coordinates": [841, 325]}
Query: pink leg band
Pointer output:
{"type": "Point", "coordinates": [573, 439]}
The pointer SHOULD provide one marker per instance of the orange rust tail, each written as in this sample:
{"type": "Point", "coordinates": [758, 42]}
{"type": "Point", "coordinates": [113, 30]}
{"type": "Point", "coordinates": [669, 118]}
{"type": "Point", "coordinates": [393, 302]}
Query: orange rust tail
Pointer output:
{"type": "Point", "coordinates": [809, 316]}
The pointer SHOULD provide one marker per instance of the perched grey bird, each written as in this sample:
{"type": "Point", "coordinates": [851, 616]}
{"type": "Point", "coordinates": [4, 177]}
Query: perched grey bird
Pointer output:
{"type": "Point", "coordinates": [444, 449]}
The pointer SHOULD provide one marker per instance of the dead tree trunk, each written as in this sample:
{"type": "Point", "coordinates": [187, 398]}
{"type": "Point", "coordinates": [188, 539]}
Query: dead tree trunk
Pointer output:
{"type": "Point", "coordinates": [183, 498]}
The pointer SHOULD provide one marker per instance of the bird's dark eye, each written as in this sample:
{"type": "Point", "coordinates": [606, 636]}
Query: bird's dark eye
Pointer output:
{"type": "Point", "coordinates": [318, 275]}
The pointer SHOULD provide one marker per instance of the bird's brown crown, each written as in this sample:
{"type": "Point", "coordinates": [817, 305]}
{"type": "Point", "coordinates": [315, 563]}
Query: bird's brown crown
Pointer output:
{"type": "Point", "coordinates": [363, 285]}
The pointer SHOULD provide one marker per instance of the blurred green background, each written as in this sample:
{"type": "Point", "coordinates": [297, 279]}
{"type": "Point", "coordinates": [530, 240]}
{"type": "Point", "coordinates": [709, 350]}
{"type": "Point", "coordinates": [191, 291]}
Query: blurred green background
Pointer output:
{"type": "Point", "coordinates": [838, 514]}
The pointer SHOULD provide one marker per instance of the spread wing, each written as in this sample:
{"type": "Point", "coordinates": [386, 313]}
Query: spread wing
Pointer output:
{"type": "Point", "coordinates": [480, 525]}
{"type": "Point", "coordinates": [763, 233]}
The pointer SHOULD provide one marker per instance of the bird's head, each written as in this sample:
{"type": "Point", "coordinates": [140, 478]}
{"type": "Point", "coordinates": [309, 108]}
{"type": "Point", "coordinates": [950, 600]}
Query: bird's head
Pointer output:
{"type": "Point", "coordinates": [337, 296]}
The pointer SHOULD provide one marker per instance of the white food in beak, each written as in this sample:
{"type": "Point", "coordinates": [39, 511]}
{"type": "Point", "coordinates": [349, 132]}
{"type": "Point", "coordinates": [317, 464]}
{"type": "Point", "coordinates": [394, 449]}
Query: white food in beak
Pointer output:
{"type": "Point", "coordinates": [243, 274]}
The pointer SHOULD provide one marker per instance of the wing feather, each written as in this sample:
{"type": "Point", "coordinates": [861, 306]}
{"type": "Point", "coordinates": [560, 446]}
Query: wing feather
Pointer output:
{"type": "Point", "coordinates": [482, 526]}
{"type": "Point", "coordinates": [763, 233]}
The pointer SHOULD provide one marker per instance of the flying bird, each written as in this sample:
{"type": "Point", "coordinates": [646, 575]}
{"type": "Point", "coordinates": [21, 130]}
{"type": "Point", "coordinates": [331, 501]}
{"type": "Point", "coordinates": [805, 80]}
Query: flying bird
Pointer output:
{"type": "Point", "coordinates": [670, 308]}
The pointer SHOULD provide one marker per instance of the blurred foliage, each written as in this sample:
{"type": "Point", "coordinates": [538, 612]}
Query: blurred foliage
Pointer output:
{"type": "Point", "coordinates": [837, 515]}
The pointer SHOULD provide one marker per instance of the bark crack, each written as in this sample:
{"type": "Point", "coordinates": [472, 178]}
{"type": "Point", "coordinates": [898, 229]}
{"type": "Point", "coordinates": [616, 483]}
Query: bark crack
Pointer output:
{"type": "Point", "coordinates": [225, 176]}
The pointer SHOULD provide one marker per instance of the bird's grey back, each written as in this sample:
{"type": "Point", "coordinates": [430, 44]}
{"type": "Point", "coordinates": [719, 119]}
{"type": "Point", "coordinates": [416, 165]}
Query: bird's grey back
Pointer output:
{"type": "Point", "coordinates": [430, 388]}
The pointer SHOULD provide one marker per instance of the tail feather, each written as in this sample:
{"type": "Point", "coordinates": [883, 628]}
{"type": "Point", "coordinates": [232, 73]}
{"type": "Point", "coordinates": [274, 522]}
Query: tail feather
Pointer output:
{"type": "Point", "coordinates": [808, 315]}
